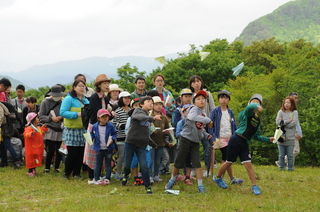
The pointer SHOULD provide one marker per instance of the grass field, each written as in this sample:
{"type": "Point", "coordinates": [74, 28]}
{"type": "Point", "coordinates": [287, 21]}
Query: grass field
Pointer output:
{"type": "Point", "coordinates": [280, 191]}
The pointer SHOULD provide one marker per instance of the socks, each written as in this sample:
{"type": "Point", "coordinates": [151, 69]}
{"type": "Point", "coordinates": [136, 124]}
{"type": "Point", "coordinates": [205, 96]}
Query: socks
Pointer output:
{"type": "Point", "coordinates": [174, 177]}
{"type": "Point", "coordinates": [199, 182]}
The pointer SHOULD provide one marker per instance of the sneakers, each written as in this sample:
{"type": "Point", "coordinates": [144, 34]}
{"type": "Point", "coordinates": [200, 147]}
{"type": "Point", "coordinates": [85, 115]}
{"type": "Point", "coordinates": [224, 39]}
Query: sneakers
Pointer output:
{"type": "Point", "coordinates": [46, 171]}
{"type": "Point", "coordinates": [236, 181]}
{"type": "Point", "coordinates": [124, 181]}
{"type": "Point", "coordinates": [90, 182]}
{"type": "Point", "coordinates": [181, 177]}
{"type": "Point", "coordinates": [57, 170]}
{"type": "Point", "coordinates": [206, 173]}
{"type": "Point", "coordinates": [63, 151]}
{"type": "Point", "coordinates": [220, 182]}
{"type": "Point", "coordinates": [137, 182]}
{"type": "Point", "coordinates": [201, 189]}
{"type": "Point", "coordinates": [170, 184]}
{"type": "Point", "coordinates": [31, 174]}
{"type": "Point", "coordinates": [278, 163]}
{"type": "Point", "coordinates": [119, 177]}
{"type": "Point", "coordinates": [157, 179]}
{"type": "Point", "coordinates": [148, 190]}
{"type": "Point", "coordinates": [99, 182]}
{"type": "Point", "coordinates": [17, 165]}
{"type": "Point", "coordinates": [151, 180]}
{"type": "Point", "coordinates": [256, 190]}
{"type": "Point", "coordinates": [106, 182]}
{"type": "Point", "coordinates": [188, 182]}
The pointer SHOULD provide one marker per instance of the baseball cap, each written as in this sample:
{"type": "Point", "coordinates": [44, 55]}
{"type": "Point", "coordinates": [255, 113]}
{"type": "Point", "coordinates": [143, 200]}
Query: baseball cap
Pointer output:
{"type": "Point", "coordinates": [185, 91]}
{"type": "Point", "coordinates": [200, 93]}
{"type": "Point", "coordinates": [102, 112]}
{"type": "Point", "coordinates": [157, 99]}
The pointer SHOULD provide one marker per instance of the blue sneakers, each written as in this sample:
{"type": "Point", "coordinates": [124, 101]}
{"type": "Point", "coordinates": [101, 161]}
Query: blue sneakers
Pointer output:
{"type": "Point", "coordinates": [236, 181]}
{"type": "Point", "coordinates": [201, 189]}
{"type": "Point", "coordinates": [170, 184]}
{"type": "Point", "coordinates": [256, 190]}
{"type": "Point", "coordinates": [220, 182]}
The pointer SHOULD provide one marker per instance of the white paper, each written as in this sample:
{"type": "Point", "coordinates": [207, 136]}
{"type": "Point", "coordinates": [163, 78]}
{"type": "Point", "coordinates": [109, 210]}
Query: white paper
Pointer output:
{"type": "Point", "coordinates": [88, 138]}
{"type": "Point", "coordinates": [109, 141]}
{"type": "Point", "coordinates": [53, 113]}
{"type": "Point", "coordinates": [217, 144]}
{"type": "Point", "coordinates": [168, 129]}
{"type": "Point", "coordinates": [176, 192]}
{"type": "Point", "coordinates": [277, 135]}
{"type": "Point", "coordinates": [168, 100]}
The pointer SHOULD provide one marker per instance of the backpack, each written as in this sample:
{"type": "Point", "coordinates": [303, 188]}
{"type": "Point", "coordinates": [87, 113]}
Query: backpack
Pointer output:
{"type": "Point", "coordinates": [14, 116]}
{"type": "Point", "coordinates": [7, 128]}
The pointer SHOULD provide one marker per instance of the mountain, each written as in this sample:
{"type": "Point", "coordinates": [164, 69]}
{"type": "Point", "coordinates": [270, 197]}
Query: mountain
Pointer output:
{"type": "Point", "coordinates": [294, 20]}
{"type": "Point", "coordinates": [64, 72]}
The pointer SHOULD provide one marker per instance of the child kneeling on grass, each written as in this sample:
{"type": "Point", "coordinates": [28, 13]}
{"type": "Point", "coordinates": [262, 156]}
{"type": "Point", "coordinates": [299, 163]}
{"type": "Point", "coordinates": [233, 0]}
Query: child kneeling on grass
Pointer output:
{"type": "Point", "coordinates": [249, 127]}
{"type": "Point", "coordinates": [34, 144]}
{"type": "Point", "coordinates": [100, 134]}
{"type": "Point", "coordinates": [192, 133]}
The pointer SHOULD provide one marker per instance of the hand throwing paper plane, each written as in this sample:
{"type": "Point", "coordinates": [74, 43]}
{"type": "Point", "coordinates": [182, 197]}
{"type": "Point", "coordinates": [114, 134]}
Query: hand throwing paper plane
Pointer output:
{"type": "Point", "coordinates": [236, 70]}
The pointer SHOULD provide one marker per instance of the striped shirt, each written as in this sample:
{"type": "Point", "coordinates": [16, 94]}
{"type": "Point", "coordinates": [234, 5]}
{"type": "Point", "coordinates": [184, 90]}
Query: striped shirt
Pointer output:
{"type": "Point", "coordinates": [121, 118]}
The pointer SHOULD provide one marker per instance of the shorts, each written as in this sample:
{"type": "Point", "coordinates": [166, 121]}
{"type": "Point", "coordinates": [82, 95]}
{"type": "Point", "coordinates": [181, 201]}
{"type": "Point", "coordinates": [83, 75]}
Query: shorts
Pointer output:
{"type": "Point", "coordinates": [186, 147]}
{"type": "Point", "coordinates": [238, 147]}
{"type": "Point", "coordinates": [223, 151]}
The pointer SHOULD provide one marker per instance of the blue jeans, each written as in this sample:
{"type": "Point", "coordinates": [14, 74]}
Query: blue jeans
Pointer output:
{"type": "Point", "coordinates": [103, 154]}
{"type": "Point", "coordinates": [283, 151]}
{"type": "Point", "coordinates": [129, 150]}
{"type": "Point", "coordinates": [156, 159]}
{"type": "Point", "coordinates": [206, 149]}
{"type": "Point", "coordinates": [6, 145]}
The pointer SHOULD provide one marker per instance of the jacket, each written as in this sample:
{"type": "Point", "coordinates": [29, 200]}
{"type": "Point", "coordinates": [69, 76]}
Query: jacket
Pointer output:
{"type": "Point", "coordinates": [110, 131]}
{"type": "Point", "coordinates": [290, 127]}
{"type": "Point", "coordinates": [215, 116]}
{"type": "Point", "coordinates": [194, 127]}
{"type": "Point", "coordinates": [45, 115]}
{"type": "Point", "coordinates": [139, 132]}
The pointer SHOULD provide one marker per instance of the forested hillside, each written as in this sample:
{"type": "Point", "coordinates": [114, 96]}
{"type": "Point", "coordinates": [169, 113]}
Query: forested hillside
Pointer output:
{"type": "Point", "coordinates": [293, 20]}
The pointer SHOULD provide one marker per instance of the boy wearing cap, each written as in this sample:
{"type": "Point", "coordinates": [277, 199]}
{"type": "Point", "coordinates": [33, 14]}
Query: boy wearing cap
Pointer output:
{"type": "Point", "coordinates": [249, 127]}
{"type": "Point", "coordinates": [103, 135]}
{"type": "Point", "coordinates": [185, 97]}
{"type": "Point", "coordinates": [138, 138]}
{"type": "Point", "coordinates": [224, 126]}
{"type": "Point", "coordinates": [158, 136]}
{"type": "Point", "coordinates": [192, 133]}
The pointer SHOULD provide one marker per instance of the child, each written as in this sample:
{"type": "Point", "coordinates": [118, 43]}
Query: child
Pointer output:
{"type": "Point", "coordinates": [249, 127]}
{"type": "Point", "coordinates": [179, 128]}
{"type": "Point", "coordinates": [34, 145]}
{"type": "Point", "coordinates": [100, 134]}
{"type": "Point", "coordinates": [158, 136]}
{"type": "Point", "coordinates": [224, 126]}
{"type": "Point", "coordinates": [288, 115]}
{"type": "Point", "coordinates": [137, 140]}
{"type": "Point", "coordinates": [192, 133]}
{"type": "Point", "coordinates": [185, 98]}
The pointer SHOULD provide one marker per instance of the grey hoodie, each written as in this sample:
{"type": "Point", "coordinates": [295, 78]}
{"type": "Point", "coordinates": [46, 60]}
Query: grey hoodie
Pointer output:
{"type": "Point", "coordinates": [290, 127]}
{"type": "Point", "coordinates": [138, 133]}
{"type": "Point", "coordinates": [194, 127]}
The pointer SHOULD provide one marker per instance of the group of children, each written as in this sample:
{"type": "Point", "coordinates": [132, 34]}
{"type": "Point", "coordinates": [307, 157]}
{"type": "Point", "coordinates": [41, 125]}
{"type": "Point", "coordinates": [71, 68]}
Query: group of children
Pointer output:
{"type": "Point", "coordinates": [148, 128]}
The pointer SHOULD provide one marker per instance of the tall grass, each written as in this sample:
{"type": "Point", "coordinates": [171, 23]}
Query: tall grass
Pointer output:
{"type": "Point", "coordinates": [280, 191]}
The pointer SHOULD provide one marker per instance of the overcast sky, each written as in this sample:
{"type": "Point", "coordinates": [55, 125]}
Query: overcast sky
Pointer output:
{"type": "Point", "coordinates": [48, 31]}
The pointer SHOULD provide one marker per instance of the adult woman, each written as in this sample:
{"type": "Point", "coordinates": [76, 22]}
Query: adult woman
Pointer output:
{"type": "Point", "coordinates": [31, 107]}
{"type": "Point", "coordinates": [196, 85]}
{"type": "Point", "coordinates": [49, 114]}
{"type": "Point", "coordinates": [98, 100]}
{"type": "Point", "coordinates": [73, 128]}
{"type": "Point", "coordinates": [119, 123]}
{"type": "Point", "coordinates": [113, 95]}
{"type": "Point", "coordinates": [165, 95]}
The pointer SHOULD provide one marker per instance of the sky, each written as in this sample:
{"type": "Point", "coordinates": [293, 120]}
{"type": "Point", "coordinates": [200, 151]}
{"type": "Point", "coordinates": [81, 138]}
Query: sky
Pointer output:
{"type": "Point", "coordinates": [37, 32]}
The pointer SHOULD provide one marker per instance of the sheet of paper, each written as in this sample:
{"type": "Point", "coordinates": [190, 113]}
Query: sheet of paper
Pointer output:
{"type": "Point", "coordinates": [88, 138]}
{"type": "Point", "coordinates": [168, 100]}
{"type": "Point", "coordinates": [168, 129]}
{"type": "Point", "coordinates": [53, 114]}
{"type": "Point", "coordinates": [277, 135]}
{"type": "Point", "coordinates": [109, 141]}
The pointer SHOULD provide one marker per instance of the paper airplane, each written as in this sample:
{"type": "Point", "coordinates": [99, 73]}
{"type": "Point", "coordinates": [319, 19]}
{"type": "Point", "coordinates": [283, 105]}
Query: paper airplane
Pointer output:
{"type": "Point", "coordinates": [236, 70]}
{"type": "Point", "coordinates": [203, 55]}
{"type": "Point", "coordinates": [162, 60]}
{"type": "Point", "coordinates": [176, 192]}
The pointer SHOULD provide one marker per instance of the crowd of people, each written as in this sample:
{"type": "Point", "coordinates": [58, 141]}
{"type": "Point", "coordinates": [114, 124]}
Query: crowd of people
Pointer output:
{"type": "Point", "coordinates": [91, 127]}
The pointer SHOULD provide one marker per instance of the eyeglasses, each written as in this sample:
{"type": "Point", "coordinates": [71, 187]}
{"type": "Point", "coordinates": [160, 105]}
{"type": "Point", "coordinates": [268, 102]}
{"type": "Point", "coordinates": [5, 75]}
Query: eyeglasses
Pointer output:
{"type": "Point", "coordinates": [159, 81]}
{"type": "Point", "coordinates": [81, 86]}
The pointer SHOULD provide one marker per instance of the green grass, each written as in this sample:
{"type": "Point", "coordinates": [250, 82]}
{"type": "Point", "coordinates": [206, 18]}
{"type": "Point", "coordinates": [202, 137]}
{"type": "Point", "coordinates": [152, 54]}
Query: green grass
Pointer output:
{"type": "Point", "coordinates": [280, 191]}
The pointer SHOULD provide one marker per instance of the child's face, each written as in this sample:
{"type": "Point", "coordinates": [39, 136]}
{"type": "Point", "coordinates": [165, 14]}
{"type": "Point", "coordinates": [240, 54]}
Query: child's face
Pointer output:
{"type": "Point", "coordinates": [20, 93]}
{"type": "Point", "coordinates": [157, 107]}
{"type": "Point", "coordinates": [169, 119]}
{"type": "Point", "coordinates": [103, 119]}
{"type": "Point", "coordinates": [30, 105]}
{"type": "Point", "coordinates": [36, 121]}
{"type": "Point", "coordinates": [126, 100]}
{"type": "Point", "coordinates": [287, 104]}
{"type": "Point", "coordinates": [223, 100]}
{"type": "Point", "coordinates": [255, 101]}
{"type": "Point", "coordinates": [200, 102]}
{"type": "Point", "coordinates": [186, 99]}
{"type": "Point", "coordinates": [135, 105]}
{"type": "Point", "coordinates": [147, 105]}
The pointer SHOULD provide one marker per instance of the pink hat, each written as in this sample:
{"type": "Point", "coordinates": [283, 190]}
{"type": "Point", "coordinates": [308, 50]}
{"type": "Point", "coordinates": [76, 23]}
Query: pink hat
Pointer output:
{"type": "Point", "coordinates": [30, 117]}
{"type": "Point", "coordinates": [102, 112]}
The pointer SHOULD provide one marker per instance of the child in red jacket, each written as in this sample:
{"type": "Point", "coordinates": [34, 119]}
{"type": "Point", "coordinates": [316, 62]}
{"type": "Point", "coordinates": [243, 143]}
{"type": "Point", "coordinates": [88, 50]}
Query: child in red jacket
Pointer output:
{"type": "Point", "coordinates": [34, 144]}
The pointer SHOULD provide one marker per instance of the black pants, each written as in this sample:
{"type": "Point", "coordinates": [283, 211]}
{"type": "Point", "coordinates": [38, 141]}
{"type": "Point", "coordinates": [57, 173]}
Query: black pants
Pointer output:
{"type": "Point", "coordinates": [74, 160]}
{"type": "Point", "coordinates": [53, 147]}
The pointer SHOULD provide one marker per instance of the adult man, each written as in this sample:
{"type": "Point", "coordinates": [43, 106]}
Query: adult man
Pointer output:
{"type": "Point", "coordinates": [140, 83]}
{"type": "Point", "coordinates": [296, 149]}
